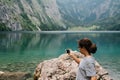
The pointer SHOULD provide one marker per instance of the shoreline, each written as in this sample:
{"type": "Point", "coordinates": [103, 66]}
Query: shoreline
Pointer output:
{"type": "Point", "coordinates": [59, 32]}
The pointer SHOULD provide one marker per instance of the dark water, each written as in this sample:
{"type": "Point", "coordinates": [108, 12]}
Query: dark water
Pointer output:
{"type": "Point", "coordinates": [22, 51]}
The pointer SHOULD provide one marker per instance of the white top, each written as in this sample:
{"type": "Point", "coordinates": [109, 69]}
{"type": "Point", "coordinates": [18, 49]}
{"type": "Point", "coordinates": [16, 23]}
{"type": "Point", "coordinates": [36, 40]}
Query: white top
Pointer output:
{"type": "Point", "coordinates": [86, 68]}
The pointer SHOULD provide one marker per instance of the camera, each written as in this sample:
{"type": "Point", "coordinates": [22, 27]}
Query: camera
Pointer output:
{"type": "Point", "coordinates": [67, 50]}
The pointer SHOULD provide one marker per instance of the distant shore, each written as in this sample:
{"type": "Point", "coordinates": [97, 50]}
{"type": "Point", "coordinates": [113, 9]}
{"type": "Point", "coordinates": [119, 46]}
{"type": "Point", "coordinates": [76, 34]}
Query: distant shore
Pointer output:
{"type": "Point", "coordinates": [59, 31]}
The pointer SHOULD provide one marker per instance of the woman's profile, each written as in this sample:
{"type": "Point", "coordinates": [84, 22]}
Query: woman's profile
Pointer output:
{"type": "Point", "coordinates": [86, 70]}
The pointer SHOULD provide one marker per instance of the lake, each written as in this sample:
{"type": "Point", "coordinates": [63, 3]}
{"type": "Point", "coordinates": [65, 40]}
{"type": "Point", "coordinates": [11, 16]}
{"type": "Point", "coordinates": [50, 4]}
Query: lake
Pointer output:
{"type": "Point", "coordinates": [22, 51]}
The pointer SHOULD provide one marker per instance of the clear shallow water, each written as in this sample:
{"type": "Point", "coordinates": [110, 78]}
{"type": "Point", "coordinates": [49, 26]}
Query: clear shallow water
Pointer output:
{"type": "Point", "coordinates": [22, 51]}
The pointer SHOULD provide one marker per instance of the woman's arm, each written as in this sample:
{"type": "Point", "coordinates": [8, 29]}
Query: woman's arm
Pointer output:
{"type": "Point", "coordinates": [93, 78]}
{"type": "Point", "coordinates": [77, 60]}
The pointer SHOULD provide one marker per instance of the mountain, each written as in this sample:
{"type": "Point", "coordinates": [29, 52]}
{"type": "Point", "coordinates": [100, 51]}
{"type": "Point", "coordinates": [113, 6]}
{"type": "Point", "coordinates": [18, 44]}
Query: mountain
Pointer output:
{"type": "Point", "coordinates": [30, 15]}
{"type": "Point", "coordinates": [89, 12]}
{"type": "Point", "coordinates": [39, 15]}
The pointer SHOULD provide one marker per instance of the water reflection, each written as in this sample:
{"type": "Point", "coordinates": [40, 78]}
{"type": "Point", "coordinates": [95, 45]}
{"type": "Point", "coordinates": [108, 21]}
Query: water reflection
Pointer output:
{"type": "Point", "coordinates": [50, 43]}
{"type": "Point", "coordinates": [22, 42]}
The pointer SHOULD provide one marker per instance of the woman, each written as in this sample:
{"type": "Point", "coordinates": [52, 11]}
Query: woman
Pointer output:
{"type": "Point", "coordinates": [86, 70]}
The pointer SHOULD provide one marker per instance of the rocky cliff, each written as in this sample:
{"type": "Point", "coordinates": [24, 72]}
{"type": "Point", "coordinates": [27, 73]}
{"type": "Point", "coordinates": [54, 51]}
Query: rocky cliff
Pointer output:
{"type": "Point", "coordinates": [30, 15]}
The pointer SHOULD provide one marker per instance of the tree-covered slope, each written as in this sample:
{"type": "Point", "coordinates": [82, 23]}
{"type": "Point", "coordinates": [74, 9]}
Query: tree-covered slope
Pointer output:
{"type": "Point", "coordinates": [111, 23]}
{"type": "Point", "coordinates": [91, 12]}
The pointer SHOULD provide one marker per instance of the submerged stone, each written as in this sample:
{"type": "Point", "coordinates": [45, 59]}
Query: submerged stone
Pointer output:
{"type": "Point", "coordinates": [14, 75]}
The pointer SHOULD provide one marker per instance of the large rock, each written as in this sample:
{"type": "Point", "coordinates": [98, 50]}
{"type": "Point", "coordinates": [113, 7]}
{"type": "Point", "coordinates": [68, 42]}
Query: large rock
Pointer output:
{"type": "Point", "coordinates": [14, 75]}
{"type": "Point", "coordinates": [64, 68]}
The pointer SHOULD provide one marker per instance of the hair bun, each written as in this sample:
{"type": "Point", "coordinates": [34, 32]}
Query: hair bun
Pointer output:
{"type": "Point", "coordinates": [93, 48]}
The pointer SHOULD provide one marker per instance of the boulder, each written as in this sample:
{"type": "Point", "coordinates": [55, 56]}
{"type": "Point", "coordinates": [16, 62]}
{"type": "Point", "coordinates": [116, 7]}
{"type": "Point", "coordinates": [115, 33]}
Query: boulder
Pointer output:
{"type": "Point", "coordinates": [64, 68]}
{"type": "Point", "coordinates": [14, 75]}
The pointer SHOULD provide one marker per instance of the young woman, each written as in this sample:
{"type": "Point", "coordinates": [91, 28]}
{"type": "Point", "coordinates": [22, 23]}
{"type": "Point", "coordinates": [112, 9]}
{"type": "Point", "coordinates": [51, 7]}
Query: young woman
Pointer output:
{"type": "Point", "coordinates": [86, 70]}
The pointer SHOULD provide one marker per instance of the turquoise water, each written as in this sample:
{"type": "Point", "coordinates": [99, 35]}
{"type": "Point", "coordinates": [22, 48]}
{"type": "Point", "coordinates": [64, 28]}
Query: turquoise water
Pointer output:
{"type": "Point", "coordinates": [22, 51]}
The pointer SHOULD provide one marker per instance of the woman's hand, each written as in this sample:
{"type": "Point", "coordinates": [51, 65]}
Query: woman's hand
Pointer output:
{"type": "Point", "coordinates": [71, 54]}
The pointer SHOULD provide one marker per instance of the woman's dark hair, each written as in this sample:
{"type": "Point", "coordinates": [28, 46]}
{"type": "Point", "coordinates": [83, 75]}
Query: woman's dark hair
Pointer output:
{"type": "Point", "coordinates": [86, 43]}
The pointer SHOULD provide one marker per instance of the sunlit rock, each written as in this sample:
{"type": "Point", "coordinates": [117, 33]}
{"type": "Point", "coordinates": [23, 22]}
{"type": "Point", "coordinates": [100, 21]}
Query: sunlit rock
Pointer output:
{"type": "Point", "coordinates": [64, 68]}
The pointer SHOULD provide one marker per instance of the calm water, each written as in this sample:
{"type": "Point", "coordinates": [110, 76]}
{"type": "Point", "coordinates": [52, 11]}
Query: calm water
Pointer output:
{"type": "Point", "coordinates": [23, 51]}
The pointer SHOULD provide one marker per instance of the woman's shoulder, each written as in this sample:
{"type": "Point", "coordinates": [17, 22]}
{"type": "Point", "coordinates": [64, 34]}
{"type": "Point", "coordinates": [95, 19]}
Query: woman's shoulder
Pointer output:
{"type": "Point", "coordinates": [90, 59]}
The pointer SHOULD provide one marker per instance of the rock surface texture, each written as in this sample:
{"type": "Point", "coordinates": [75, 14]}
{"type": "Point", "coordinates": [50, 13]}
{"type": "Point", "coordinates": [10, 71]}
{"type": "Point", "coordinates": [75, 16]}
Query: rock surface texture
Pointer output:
{"type": "Point", "coordinates": [64, 68]}
{"type": "Point", "coordinates": [14, 75]}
